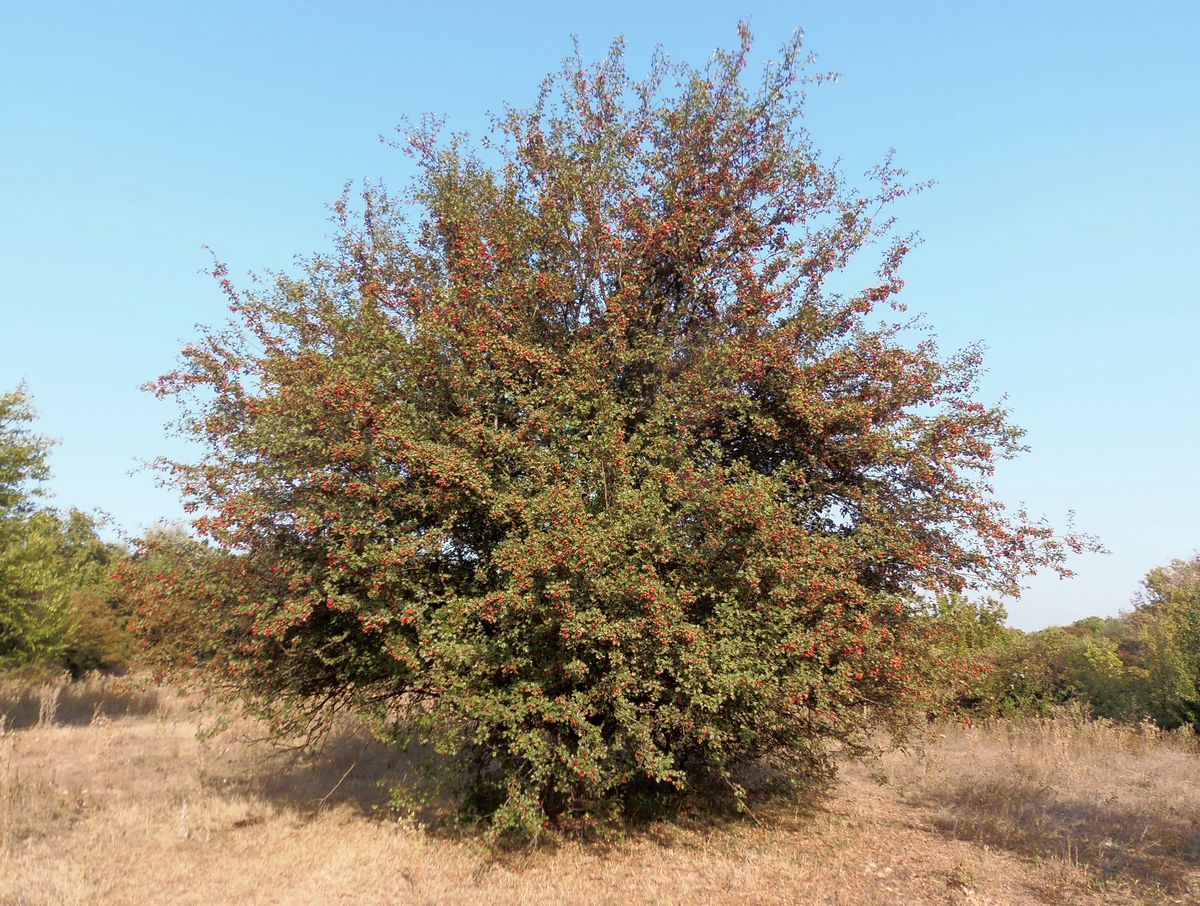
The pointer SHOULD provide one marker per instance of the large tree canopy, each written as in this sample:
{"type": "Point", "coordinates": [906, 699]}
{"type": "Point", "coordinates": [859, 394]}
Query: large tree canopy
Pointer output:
{"type": "Point", "coordinates": [573, 451]}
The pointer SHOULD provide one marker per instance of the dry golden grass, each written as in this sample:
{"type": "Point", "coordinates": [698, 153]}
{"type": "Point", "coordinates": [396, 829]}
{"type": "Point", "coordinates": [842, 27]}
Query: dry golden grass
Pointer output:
{"type": "Point", "coordinates": [114, 800]}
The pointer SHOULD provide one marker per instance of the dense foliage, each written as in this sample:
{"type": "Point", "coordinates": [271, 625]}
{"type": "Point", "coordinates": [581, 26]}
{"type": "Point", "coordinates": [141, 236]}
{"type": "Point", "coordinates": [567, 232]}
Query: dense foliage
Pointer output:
{"type": "Point", "coordinates": [1141, 665]}
{"type": "Point", "coordinates": [1169, 637]}
{"type": "Point", "coordinates": [572, 457]}
{"type": "Point", "coordinates": [57, 607]}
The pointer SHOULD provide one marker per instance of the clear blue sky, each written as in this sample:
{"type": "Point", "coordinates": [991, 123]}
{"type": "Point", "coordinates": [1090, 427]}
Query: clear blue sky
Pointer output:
{"type": "Point", "coordinates": [1065, 139]}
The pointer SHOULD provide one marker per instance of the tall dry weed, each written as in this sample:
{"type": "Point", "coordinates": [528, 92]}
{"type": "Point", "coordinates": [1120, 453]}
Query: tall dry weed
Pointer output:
{"type": "Point", "coordinates": [8, 783]}
{"type": "Point", "coordinates": [1109, 804]}
{"type": "Point", "coordinates": [130, 808]}
{"type": "Point", "coordinates": [48, 699]}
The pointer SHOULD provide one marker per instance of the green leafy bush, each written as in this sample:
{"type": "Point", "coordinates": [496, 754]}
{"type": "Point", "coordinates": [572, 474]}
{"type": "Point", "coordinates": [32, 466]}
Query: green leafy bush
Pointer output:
{"type": "Point", "coordinates": [1169, 639]}
{"type": "Point", "coordinates": [56, 604]}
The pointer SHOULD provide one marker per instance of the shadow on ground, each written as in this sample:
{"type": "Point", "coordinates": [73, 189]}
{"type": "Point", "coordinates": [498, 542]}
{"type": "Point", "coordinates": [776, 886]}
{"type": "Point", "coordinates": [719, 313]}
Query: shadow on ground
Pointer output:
{"type": "Point", "coordinates": [1109, 838]}
{"type": "Point", "coordinates": [355, 771]}
{"type": "Point", "coordinates": [350, 769]}
{"type": "Point", "coordinates": [75, 704]}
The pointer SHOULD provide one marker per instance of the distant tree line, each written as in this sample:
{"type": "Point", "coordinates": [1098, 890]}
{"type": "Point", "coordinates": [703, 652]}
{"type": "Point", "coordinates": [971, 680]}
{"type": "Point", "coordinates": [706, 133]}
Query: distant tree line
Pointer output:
{"type": "Point", "coordinates": [1143, 664]}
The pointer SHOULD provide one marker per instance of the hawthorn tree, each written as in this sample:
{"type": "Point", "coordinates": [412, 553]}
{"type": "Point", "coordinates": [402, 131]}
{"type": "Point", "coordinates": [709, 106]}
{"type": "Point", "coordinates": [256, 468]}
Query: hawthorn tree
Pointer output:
{"type": "Point", "coordinates": [570, 456]}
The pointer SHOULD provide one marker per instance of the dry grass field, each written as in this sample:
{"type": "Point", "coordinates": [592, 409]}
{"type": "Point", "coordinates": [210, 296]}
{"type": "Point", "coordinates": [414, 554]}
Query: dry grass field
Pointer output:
{"type": "Point", "coordinates": [107, 796]}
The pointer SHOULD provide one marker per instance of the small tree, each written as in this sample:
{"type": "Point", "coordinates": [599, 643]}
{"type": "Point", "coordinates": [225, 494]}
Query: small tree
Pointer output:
{"type": "Point", "coordinates": [99, 637]}
{"type": "Point", "coordinates": [54, 609]}
{"type": "Point", "coordinates": [178, 593]}
{"type": "Point", "coordinates": [34, 617]}
{"type": "Point", "coordinates": [967, 642]}
{"type": "Point", "coordinates": [586, 468]}
{"type": "Point", "coordinates": [1169, 636]}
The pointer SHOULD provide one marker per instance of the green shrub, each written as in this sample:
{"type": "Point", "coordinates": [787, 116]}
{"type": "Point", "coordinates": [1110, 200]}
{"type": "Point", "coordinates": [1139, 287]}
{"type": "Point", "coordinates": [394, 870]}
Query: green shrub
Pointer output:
{"type": "Point", "coordinates": [56, 606]}
{"type": "Point", "coordinates": [1169, 639]}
